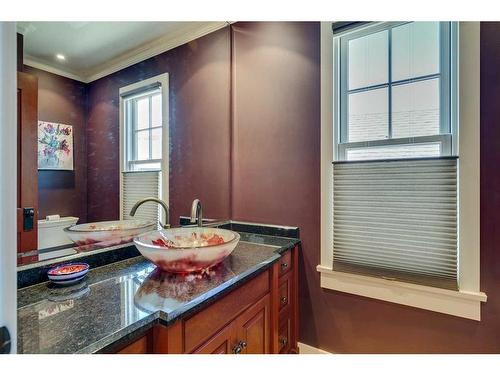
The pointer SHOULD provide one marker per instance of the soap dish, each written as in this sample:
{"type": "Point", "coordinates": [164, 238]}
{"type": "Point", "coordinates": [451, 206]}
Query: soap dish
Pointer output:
{"type": "Point", "coordinates": [69, 273]}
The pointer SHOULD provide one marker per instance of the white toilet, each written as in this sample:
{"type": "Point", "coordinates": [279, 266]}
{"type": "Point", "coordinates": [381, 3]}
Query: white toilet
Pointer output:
{"type": "Point", "coordinates": [50, 231]}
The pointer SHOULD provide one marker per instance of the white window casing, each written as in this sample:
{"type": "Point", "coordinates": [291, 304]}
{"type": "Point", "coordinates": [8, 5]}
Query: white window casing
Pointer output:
{"type": "Point", "coordinates": [131, 179]}
{"type": "Point", "coordinates": [466, 300]}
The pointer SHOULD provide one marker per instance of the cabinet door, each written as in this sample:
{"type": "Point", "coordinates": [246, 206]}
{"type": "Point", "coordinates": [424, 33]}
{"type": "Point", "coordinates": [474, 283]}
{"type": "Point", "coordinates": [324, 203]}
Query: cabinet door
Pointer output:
{"type": "Point", "coordinates": [220, 343]}
{"type": "Point", "coordinates": [252, 328]}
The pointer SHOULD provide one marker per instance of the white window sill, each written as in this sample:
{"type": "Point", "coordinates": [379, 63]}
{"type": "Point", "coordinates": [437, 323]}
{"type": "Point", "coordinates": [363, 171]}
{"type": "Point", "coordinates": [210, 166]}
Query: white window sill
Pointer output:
{"type": "Point", "coordinates": [464, 304]}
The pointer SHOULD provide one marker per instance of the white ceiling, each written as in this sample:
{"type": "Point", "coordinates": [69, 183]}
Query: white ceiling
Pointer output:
{"type": "Point", "coordinates": [95, 49]}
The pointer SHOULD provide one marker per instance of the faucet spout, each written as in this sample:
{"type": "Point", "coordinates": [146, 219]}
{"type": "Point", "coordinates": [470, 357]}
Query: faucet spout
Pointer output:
{"type": "Point", "coordinates": [160, 202]}
{"type": "Point", "coordinates": [197, 213]}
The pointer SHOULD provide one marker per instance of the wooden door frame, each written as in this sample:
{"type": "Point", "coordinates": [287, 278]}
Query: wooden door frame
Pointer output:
{"type": "Point", "coordinates": [8, 181]}
{"type": "Point", "coordinates": [27, 164]}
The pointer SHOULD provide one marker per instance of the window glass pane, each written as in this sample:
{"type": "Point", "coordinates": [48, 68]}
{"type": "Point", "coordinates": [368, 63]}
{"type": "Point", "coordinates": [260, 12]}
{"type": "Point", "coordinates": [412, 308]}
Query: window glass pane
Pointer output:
{"type": "Point", "coordinates": [156, 111]}
{"type": "Point", "coordinates": [414, 150]}
{"type": "Point", "coordinates": [415, 50]}
{"type": "Point", "coordinates": [142, 150]}
{"type": "Point", "coordinates": [156, 143]}
{"type": "Point", "coordinates": [368, 60]}
{"type": "Point", "coordinates": [142, 113]}
{"type": "Point", "coordinates": [368, 115]}
{"type": "Point", "coordinates": [415, 109]}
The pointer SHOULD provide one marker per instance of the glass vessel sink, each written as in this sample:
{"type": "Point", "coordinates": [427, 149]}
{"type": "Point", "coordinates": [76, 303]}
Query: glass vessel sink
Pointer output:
{"type": "Point", "coordinates": [184, 250]}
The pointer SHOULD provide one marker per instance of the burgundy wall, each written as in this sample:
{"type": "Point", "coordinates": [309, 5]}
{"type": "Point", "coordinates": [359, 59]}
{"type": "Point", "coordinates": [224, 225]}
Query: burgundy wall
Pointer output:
{"type": "Point", "coordinates": [63, 100]}
{"type": "Point", "coordinates": [277, 178]}
{"type": "Point", "coordinates": [199, 74]}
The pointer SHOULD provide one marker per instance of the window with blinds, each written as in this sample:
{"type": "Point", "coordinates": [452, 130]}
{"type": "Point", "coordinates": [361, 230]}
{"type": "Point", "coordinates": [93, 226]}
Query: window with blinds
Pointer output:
{"type": "Point", "coordinates": [137, 186]}
{"type": "Point", "coordinates": [397, 219]}
{"type": "Point", "coordinates": [395, 174]}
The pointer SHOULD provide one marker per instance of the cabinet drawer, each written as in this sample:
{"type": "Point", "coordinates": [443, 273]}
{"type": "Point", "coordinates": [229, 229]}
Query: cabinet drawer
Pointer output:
{"type": "Point", "coordinates": [284, 293]}
{"type": "Point", "coordinates": [284, 331]}
{"type": "Point", "coordinates": [285, 263]}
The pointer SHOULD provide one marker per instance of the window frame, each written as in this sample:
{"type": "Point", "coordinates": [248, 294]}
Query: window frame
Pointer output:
{"type": "Point", "coordinates": [466, 302]}
{"type": "Point", "coordinates": [161, 80]}
{"type": "Point", "coordinates": [448, 90]}
{"type": "Point", "coordinates": [131, 130]}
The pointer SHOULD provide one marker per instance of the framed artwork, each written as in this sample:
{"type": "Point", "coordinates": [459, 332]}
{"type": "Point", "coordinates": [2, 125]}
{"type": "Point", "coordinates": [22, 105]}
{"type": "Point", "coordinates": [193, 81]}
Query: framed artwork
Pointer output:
{"type": "Point", "coordinates": [55, 146]}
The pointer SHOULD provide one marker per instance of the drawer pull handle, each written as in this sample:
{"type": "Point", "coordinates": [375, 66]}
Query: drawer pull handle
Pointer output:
{"type": "Point", "coordinates": [283, 341]}
{"type": "Point", "coordinates": [284, 300]}
{"type": "Point", "coordinates": [239, 347]}
{"type": "Point", "coordinates": [284, 266]}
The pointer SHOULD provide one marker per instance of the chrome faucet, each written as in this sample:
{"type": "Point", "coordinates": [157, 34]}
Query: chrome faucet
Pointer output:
{"type": "Point", "coordinates": [197, 213]}
{"type": "Point", "coordinates": [160, 202]}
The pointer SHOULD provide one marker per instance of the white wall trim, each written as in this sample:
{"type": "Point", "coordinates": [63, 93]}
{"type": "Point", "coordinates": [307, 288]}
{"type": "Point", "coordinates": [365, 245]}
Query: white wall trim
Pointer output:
{"type": "Point", "coordinates": [8, 180]}
{"type": "Point", "coordinates": [458, 303]}
{"type": "Point", "coordinates": [327, 143]}
{"type": "Point", "coordinates": [163, 79]}
{"type": "Point", "coordinates": [151, 49]}
{"type": "Point", "coordinates": [467, 301]}
{"type": "Point", "coordinates": [308, 349]}
{"type": "Point", "coordinates": [469, 181]}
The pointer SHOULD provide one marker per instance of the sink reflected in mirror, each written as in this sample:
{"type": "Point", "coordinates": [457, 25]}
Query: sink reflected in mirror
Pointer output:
{"type": "Point", "coordinates": [108, 233]}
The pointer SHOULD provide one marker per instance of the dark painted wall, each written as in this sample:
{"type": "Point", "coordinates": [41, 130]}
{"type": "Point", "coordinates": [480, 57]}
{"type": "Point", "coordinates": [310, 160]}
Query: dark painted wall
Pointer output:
{"type": "Point", "coordinates": [276, 180]}
{"type": "Point", "coordinates": [276, 175]}
{"type": "Point", "coordinates": [63, 100]}
{"type": "Point", "coordinates": [199, 74]}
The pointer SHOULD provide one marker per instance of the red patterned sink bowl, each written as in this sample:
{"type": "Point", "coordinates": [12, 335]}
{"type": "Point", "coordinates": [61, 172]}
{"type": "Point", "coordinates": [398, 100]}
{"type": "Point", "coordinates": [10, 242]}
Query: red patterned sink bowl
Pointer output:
{"type": "Point", "coordinates": [185, 250]}
{"type": "Point", "coordinates": [108, 232]}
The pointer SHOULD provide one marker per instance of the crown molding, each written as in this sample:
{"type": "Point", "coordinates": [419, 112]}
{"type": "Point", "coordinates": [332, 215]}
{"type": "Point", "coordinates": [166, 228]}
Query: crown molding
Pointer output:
{"type": "Point", "coordinates": [134, 56]}
{"type": "Point", "coordinates": [34, 63]}
{"type": "Point", "coordinates": [152, 49]}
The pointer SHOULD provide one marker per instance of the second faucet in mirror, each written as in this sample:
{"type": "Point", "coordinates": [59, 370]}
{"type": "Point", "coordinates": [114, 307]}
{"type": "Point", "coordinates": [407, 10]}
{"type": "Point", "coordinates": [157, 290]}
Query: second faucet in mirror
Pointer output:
{"type": "Point", "coordinates": [197, 213]}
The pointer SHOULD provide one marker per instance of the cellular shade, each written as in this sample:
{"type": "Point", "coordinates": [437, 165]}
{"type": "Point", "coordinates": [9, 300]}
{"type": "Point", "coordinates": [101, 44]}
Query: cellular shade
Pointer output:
{"type": "Point", "coordinates": [397, 219]}
{"type": "Point", "coordinates": [137, 186]}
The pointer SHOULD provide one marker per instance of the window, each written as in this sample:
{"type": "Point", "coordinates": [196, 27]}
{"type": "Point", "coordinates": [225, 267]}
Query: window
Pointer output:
{"type": "Point", "coordinates": [396, 91]}
{"type": "Point", "coordinates": [143, 122]}
{"type": "Point", "coordinates": [400, 213]}
{"type": "Point", "coordinates": [144, 139]}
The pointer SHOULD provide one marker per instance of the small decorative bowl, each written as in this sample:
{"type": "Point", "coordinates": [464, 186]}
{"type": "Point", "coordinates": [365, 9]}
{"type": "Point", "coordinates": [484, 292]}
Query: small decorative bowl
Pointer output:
{"type": "Point", "coordinates": [69, 273]}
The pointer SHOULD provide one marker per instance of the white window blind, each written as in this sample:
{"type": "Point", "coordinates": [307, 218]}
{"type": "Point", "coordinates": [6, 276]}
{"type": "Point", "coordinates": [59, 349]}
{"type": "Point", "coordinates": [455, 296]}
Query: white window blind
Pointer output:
{"type": "Point", "coordinates": [397, 219]}
{"type": "Point", "coordinates": [139, 185]}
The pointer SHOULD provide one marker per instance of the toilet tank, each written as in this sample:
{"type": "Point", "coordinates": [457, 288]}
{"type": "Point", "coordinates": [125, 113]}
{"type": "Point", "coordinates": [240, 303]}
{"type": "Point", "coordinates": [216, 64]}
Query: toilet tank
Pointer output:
{"type": "Point", "coordinates": [51, 234]}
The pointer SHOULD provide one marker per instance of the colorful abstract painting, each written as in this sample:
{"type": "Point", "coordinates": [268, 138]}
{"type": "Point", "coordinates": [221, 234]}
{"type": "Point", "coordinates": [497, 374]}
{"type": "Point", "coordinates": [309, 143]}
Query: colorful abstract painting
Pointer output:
{"type": "Point", "coordinates": [55, 146]}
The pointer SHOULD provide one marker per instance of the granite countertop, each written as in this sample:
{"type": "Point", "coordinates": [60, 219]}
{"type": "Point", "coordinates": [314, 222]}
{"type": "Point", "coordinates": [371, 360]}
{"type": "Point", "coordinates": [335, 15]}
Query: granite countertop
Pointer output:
{"type": "Point", "coordinates": [120, 301]}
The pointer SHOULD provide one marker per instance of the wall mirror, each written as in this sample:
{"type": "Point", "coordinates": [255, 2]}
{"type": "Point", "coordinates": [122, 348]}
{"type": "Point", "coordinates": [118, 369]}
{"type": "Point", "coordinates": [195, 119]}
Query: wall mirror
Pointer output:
{"type": "Point", "coordinates": [112, 112]}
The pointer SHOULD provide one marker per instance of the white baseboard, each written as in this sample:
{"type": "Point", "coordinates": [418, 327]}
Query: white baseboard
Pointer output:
{"type": "Point", "coordinates": [307, 349]}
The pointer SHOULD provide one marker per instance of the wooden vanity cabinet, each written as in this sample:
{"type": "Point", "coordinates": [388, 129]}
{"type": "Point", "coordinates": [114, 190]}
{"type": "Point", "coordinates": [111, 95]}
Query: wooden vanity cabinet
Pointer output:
{"type": "Point", "coordinates": [259, 317]}
{"type": "Point", "coordinates": [221, 343]}
{"type": "Point", "coordinates": [249, 333]}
